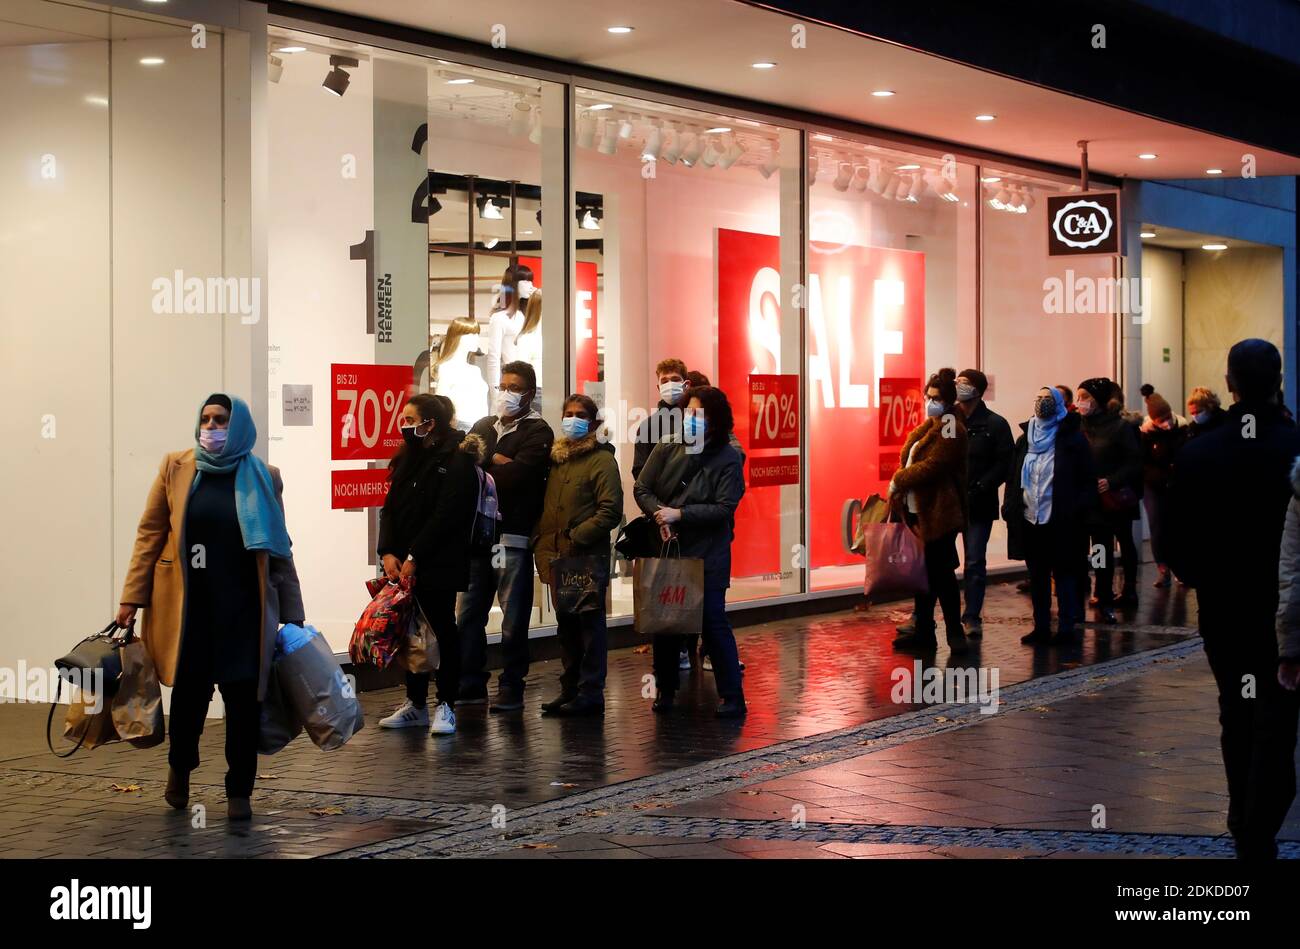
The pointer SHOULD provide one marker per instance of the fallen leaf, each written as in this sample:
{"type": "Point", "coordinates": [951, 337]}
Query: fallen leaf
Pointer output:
{"type": "Point", "coordinates": [942, 718]}
{"type": "Point", "coordinates": [125, 788]}
{"type": "Point", "coordinates": [326, 811]}
{"type": "Point", "coordinates": [751, 793]}
{"type": "Point", "coordinates": [562, 784]}
{"type": "Point", "coordinates": [268, 777]}
{"type": "Point", "coordinates": [641, 650]}
{"type": "Point", "coordinates": [594, 814]}
{"type": "Point", "coordinates": [650, 805]}
{"type": "Point", "coordinates": [536, 846]}
{"type": "Point", "coordinates": [1042, 708]}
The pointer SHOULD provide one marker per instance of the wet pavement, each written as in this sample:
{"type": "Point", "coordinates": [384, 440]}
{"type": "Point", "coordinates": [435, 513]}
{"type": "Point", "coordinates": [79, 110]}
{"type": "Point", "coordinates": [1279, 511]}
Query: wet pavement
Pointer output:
{"type": "Point", "coordinates": [826, 764]}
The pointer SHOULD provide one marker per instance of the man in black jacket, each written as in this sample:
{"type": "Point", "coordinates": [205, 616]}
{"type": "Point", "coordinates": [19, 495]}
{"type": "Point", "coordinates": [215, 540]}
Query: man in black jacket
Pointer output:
{"type": "Point", "coordinates": [666, 420]}
{"type": "Point", "coordinates": [518, 450]}
{"type": "Point", "coordinates": [1229, 493]}
{"type": "Point", "coordinates": [989, 448]}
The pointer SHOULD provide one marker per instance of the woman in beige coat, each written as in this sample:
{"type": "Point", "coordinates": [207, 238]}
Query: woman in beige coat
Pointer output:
{"type": "Point", "coordinates": [213, 570]}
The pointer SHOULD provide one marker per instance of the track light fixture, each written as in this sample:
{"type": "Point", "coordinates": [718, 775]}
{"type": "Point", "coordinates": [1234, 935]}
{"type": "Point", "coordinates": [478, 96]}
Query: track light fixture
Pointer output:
{"type": "Point", "coordinates": [336, 80]}
{"type": "Point", "coordinates": [489, 206]}
{"type": "Point", "coordinates": [843, 177]}
{"type": "Point", "coordinates": [691, 148]}
{"type": "Point", "coordinates": [274, 68]}
{"type": "Point", "coordinates": [609, 139]}
{"type": "Point", "coordinates": [731, 155]}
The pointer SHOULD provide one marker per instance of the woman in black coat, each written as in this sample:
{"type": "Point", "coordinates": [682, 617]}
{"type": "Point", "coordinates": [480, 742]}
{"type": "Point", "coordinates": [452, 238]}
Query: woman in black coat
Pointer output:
{"type": "Point", "coordinates": [1117, 458]}
{"type": "Point", "coordinates": [424, 533]}
{"type": "Point", "coordinates": [1048, 498]}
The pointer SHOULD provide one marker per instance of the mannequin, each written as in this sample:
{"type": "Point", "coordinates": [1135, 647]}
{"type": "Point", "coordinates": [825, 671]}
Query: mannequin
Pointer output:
{"type": "Point", "coordinates": [507, 320]}
{"type": "Point", "coordinates": [456, 378]}
{"type": "Point", "coordinates": [528, 344]}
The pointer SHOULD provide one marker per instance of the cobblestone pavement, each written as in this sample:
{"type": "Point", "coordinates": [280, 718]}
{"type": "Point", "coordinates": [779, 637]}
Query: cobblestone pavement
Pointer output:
{"type": "Point", "coordinates": [826, 765]}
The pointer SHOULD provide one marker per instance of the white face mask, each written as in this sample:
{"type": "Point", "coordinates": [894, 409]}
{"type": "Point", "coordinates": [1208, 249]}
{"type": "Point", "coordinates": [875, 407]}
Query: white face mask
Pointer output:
{"type": "Point", "coordinates": [933, 408]}
{"type": "Point", "coordinates": [671, 392]}
{"type": "Point", "coordinates": [508, 404]}
{"type": "Point", "coordinates": [1084, 406]}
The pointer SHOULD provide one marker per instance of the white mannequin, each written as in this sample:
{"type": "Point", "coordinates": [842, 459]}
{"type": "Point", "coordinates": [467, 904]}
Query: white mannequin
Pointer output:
{"type": "Point", "coordinates": [502, 337]}
{"type": "Point", "coordinates": [463, 383]}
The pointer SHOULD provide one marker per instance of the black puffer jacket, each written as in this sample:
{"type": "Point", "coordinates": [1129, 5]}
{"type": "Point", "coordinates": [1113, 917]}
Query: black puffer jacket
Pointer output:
{"type": "Point", "coordinates": [1116, 455]}
{"type": "Point", "coordinates": [988, 449]}
{"type": "Point", "coordinates": [707, 486]}
{"type": "Point", "coordinates": [430, 509]}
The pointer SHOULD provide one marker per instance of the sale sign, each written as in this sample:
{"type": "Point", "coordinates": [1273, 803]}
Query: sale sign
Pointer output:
{"type": "Point", "coordinates": [365, 410]}
{"type": "Point", "coordinates": [766, 472]}
{"type": "Point", "coordinates": [900, 409]}
{"type": "Point", "coordinates": [773, 411]}
{"type": "Point", "coordinates": [363, 487]}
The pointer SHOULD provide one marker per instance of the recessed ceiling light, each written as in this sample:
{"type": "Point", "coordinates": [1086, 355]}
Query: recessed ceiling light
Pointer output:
{"type": "Point", "coordinates": [764, 65]}
{"type": "Point", "coordinates": [1148, 234]}
{"type": "Point", "coordinates": [152, 61]}
{"type": "Point", "coordinates": [992, 179]}
{"type": "Point", "coordinates": [1214, 247]}
{"type": "Point", "coordinates": [823, 137]}
{"type": "Point", "coordinates": [1148, 156]}
{"type": "Point", "coordinates": [459, 82]}
{"type": "Point", "coordinates": [883, 93]}
{"type": "Point", "coordinates": [291, 49]}
{"type": "Point", "coordinates": [527, 232]}
{"type": "Point", "coordinates": [908, 167]}
{"type": "Point", "coordinates": [620, 29]}
{"type": "Point", "coordinates": [985, 117]}
{"type": "Point", "coordinates": [1214, 171]}
{"type": "Point", "coordinates": [718, 128]}
{"type": "Point", "coordinates": [599, 107]}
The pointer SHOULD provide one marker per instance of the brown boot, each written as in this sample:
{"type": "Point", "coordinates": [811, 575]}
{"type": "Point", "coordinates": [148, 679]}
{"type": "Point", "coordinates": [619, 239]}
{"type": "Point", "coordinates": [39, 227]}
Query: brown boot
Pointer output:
{"type": "Point", "coordinates": [177, 793]}
{"type": "Point", "coordinates": [239, 808]}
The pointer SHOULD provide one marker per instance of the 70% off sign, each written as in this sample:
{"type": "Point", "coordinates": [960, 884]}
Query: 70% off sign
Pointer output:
{"type": "Point", "coordinates": [366, 410]}
{"type": "Point", "coordinates": [774, 411]}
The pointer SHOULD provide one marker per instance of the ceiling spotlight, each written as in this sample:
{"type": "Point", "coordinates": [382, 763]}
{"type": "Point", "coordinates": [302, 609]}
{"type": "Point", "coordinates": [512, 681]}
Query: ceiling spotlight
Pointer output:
{"type": "Point", "coordinates": [731, 155]}
{"type": "Point", "coordinates": [519, 114]}
{"type": "Point", "coordinates": [943, 188]}
{"type": "Point", "coordinates": [489, 207]}
{"type": "Point", "coordinates": [875, 180]}
{"type": "Point", "coordinates": [842, 179]}
{"type": "Point", "coordinates": [653, 142]}
{"type": "Point", "coordinates": [625, 128]}
{"type": "Point", "coordinates": [769, 167]}
{"type": "Point", "coordinates": [609, 138]}
{"type": "Point", "coordinates": [589, 219]}
{"type": "Point", "coordinates": [1214, 171]}
{"type": "Point", "coordinates": [891, 187]}
{"type": "Point", "coordinates": [152, 61]}
{"type": "Point", "coordinates": [291, 49]}
{"type": "Point", "coordinates": [462, 81]}
{"type": "Point", "coordinates": [1147, 234]}
{"type": "Point", "coordinates": [991, 180]}
{"type": "Point", "coordinates": [1148, 156]}
{"type": "Point", "coordinates": [672, 145]}
{"type": "Point", "coordinates": [718, 129]}
{"type": "Point", "coordinates": [1214, 247]}
{"type": "Point", "coordinates": [883, 93]}
{"type": "Point", "coordinates": [711, 155]}
{"type": "Point", "coordinates": [619, 29]}
{"type": "Point", "coordinates": [692, 145]}
{"type": "Point", "coordinates": [535, 126]}
{"type": "Point", "coordinates": [999, 200]}
{"type": "Point", "coordinates": [908, 167]}
{"type": "Point", "coordinates": [985, 117]}
{"type": "Point", "coordinates": [336, 80]}
{"type": "Point", "coordinates": [491, 242]}
{"type": "Point", "coordinates": [764, 65]}
{"type": "Point", "coordinates": [1027, 199]}
{"type": "Point", "coordinates": [274, 68]}
{"type": "Point", "coordinates": [861, 173]}
{"type": "Point", "coordinates": [599, 107]}
{"type": "Point", "coordinates": [586, 131]}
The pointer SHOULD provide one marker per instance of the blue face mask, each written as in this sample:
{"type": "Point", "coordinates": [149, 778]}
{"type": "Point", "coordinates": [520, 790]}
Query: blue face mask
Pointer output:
{"type": "Point", "coordinates": [693, 427]}
{"type": "Point", "coordinates": [1202, 418]}
{"type": "Point", "coordinates": [574, 427]}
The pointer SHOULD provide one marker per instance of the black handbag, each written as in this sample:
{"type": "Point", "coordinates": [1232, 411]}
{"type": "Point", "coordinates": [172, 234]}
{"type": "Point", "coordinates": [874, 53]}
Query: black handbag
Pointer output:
{"type": "Point", "coordinates": [100, 651]}
{"type": "Point", "coordinates": [639, 537]}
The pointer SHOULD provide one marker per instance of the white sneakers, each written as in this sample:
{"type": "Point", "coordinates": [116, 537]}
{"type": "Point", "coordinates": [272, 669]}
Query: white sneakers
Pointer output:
{"type": "Point", "coordinates": [444, 720]}
{"type": "Point", "coordinates": [406, 716]}
{"type": "Point", "coordinates": [684, 660]}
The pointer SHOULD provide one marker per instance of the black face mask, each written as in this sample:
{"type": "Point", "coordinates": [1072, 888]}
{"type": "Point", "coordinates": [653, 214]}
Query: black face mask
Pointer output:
{"type": "Point", "coordinates": [1044, 408]}
{"type": "Point", "coordinates": [412, 436]}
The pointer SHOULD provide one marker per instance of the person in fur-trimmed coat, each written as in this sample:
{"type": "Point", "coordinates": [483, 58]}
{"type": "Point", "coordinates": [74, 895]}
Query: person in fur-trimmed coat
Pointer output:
{"type": "Point", "coordinates": [930, 488]}
{"type": "Point", "coordinates": [584, 502]}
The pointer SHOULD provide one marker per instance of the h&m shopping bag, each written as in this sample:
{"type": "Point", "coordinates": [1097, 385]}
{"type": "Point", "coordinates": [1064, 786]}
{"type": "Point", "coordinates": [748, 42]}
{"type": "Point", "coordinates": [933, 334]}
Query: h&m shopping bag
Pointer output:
{"type": "Point", "coordinates": [137, 706]}
{"type": "Point", "coordinates": [578, 583]}
{"type": "Point", "coordinates": [668, 595]}
{"type": "Point", "coordinates": [895, 562]}
{"type": "Point", "coordinates": [319, 694]}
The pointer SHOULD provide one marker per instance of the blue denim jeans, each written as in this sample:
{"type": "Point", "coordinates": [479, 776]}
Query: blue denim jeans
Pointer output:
{"type": "Point", "coordinates": [974, 571]}
{"type": "Point", "coordinates": [511, 585]}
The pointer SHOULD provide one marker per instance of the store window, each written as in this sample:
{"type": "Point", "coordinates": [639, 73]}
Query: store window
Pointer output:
{"type": "Point", "coordinates": [891, 298]}
{"type": "Point", "coordinates": [685, 245]}
{"type": "Point", "coordinates": [405, 234]}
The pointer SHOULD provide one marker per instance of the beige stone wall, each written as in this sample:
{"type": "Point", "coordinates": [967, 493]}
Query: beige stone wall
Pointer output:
{"type": "Point", "coordinates": [1230, 295]}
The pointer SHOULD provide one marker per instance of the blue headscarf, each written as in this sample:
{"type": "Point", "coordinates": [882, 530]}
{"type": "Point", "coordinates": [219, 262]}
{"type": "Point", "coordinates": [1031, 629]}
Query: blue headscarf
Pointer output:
{"type": "Point", "coordinates": [261, 519]}
{"type": "Point", "coordinates": [1042, 438]}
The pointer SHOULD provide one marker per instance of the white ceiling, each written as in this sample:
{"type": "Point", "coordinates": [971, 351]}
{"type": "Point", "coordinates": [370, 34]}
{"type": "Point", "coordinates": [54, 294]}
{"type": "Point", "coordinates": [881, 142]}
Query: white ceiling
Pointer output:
{"type": "Point", "coordinates": [710, 45]}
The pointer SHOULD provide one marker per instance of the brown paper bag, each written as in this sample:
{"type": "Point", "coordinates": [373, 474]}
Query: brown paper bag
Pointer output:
{"type": "Point", "coordinates": [97, 727]}
{"type": "Point", "coordinates": [668, 595]}
{"type": "Point", "coordinates": [137, 706]}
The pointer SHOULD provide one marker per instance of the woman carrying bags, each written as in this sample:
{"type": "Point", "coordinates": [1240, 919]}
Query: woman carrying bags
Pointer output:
{"type": "Point", "coordinates": [212, 567]}
{"type": "Point", "coordinates": [691, 485]}
{"type": "Point", "coordinates": [930, 488]}
{"type": "Point", "coordinates": [424, 533]}
{"type": "Point", "coordinates": [1050, 493]}
{"type": "Point", "coordinates": [584, 502]}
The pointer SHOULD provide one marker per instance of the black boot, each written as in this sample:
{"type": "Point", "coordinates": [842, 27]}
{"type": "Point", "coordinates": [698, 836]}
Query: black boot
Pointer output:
{"type": "Point", "coordinates": [916, 641]}
{"type": "Point", "coordinates": [663, 703]}
{"type": "Point", "coordinates": [732, 708]}
{"type": "Point", "coordinates": [551, 707]}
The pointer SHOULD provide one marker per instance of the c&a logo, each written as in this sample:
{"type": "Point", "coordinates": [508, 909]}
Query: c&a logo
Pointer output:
{"type": "Point", "coordinates": [1082, 224]}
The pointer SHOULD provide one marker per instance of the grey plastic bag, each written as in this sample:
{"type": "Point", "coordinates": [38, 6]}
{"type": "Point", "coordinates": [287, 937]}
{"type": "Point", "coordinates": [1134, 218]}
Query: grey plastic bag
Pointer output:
{"type": "Point", "coordinates": [319, 695]}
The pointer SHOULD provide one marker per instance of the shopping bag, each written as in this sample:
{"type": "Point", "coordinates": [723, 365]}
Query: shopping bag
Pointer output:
{"type": "Point", "coordinates": [279, 723]}
{"type": "Point", "coordinates": [420, 649]}
{"type": "Point", "coordinates": [874, 510]}
{"type": "Point", "coordinates": [137, 706]}
{"type": "Point", "coordinates": [578, 583]}
{"type": "Point", "coordinates": [318, 694]}
{"type": "Point", "coordinates": [895, 562]}
{"type": "Point", "coordinates": [87, 727]}
{"type": "Point", "coordinates": [668, 594]}
{"type": "Point", "coordinates": [381, 631]}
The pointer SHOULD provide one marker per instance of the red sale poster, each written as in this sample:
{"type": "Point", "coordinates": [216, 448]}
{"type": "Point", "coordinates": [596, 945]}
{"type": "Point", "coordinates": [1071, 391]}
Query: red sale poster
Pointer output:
{"type": "Point", "coordinates": [584, 312]}
{"type": "Point", "coordinates": [865, 325]}
{"type": "Point", "coordinates": [365, 408]}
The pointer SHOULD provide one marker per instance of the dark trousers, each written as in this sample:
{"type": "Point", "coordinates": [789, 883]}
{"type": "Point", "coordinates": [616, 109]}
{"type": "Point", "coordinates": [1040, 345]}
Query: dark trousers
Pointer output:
{"type": "Point", "coordinates": [190, 699]}
{"type": "Point", "coordinates": [440, 609]}
{"type": "Point", "coordinates": [719, 640]}
{"type": "Point", "coordinates": [1113, 528]}
{"type": "Point", "coordinates": [1054, 551]}
{"type": "Point", "coordinates": [583, 653]}
{"type": "Point", "coordinates": [1156, 501]}
{"type": "Point", "coordinates": [1258, 734]}
{"type": "Point", "coordinates": [941, 575]}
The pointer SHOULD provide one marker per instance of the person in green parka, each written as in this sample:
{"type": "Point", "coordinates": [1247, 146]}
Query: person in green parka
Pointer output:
{"type": "Point", "coordinates": [584, 502]}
